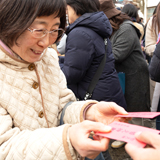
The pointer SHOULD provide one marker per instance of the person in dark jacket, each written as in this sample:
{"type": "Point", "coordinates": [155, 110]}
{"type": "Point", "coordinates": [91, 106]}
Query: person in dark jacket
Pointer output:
{"type": "Point", "coordinates": [154, 67]}
{"type": "Point", "coordinates": [85, 50]}
{"type": "Point", "coordinates": [154, 71]}
{"type": "Point", "coordinates": [130, 60]}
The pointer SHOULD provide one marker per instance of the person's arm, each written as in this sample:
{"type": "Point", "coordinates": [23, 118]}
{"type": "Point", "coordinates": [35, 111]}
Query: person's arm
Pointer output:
{"type": "Point", "coordinates": [97, 117]}
{"type": "Point", "coordinates": [80, 111]}
{"type": "Point", "coordinates": [50, 143]}
{"type": "Point", "coordinates": [123, 43]}
{"type": "Point", "coordinates": [150, 39]}
{"type": "Point", "coordinates": [42, 143]}
{"type": "Point", "coordinates": [86, 147]}
{"type": "Point", "coordinates": [154, 67]}
{"type": "Point", "coordinates": [78, 56]}
{"type": "Point", "coordinates": [104, 112]}
{"type": "Point", "coordinates": [152, 151]}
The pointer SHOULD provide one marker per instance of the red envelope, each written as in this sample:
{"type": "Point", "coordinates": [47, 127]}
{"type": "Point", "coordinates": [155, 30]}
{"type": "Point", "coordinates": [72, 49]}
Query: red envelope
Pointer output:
{"type": "Point", "coordinates": [126, 132]}
{"type": "Point", "coordinates": [140, 114]}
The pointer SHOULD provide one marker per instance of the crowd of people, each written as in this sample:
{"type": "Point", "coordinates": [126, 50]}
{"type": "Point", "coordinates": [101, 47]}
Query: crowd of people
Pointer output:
{"type": "Point", "coordinates": [45, 109]}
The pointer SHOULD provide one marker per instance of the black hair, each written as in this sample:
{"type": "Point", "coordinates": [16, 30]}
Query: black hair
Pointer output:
{"type": "Point", "coordinates": [17, 15]}
{"type": "Point", "coordinates": [130, 10]}
{"type": "Point", "coordinates": [84, 6]}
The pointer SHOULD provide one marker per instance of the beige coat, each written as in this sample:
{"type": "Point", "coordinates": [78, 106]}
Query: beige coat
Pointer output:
{"type": "Point", "coordinates": [150, 38]}
{"type": "Point", "coordinates": [27, 92]}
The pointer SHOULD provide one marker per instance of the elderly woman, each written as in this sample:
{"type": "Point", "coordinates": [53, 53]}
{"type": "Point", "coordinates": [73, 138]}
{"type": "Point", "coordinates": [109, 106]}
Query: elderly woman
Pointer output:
{"type": "Point", "coordinates": [33, 92]}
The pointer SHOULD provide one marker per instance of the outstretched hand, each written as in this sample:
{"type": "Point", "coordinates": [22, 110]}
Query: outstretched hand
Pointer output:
{"type": "Point", "coordinates": [105, 112]}
{"type": "Point", "coordinates": [152, 151]}
{"type": "Point", "coordinates": [99, 116]}
{"type": "Point", "coordinates": [85, 146]}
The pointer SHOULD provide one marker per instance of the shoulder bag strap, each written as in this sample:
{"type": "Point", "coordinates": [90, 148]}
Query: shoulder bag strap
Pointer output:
{"type": "Point", "coordinates": [97, 74]}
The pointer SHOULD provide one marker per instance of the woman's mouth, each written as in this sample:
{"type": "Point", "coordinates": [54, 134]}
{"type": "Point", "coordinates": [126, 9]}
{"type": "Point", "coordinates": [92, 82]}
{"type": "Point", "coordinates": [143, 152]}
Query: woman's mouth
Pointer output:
{"type": "Point", "coordinates": [37, 52]}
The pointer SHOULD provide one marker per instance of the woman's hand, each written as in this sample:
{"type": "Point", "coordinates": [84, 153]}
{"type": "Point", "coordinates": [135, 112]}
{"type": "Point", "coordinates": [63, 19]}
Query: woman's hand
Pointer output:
{"type": "Point", "coordinates": [152, 151]}
{"type": "Point", "coordinates": [85, 146]}
{"type": "Point", "coordinates": [105, 112]}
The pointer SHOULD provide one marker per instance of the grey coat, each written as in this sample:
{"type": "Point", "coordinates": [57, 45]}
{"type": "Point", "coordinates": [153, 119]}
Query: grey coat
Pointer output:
{"type": "Point", "coordinates": [129, 59]}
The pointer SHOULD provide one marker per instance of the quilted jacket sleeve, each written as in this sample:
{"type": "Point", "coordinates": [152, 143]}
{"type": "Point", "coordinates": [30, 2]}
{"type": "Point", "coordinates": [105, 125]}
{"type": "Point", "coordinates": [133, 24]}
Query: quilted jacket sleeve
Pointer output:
{"type": "Point", "coordinates": [78, 56]}
{"type": "Point", "coordinates": [154, 67]}
{"type": "Point", "coordinates": [74, 112]}
{"type": "Point", "coordinates": [44, 143]}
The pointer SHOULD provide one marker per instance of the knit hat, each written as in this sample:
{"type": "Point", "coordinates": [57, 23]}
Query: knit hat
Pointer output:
{"type": "Point", "coordinates": [108, 8]}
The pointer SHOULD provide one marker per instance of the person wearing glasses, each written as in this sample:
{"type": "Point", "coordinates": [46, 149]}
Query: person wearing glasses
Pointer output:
{"type": "Point", "coordinates": [34, 98]}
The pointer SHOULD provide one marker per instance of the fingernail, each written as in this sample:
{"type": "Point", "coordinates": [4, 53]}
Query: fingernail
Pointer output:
{"type": "Point", "coordinates": [137, 133]}
{"type": "Point", "coordinates": [108, 128]}
{"type": "Point", "coordinates": [125, 112]}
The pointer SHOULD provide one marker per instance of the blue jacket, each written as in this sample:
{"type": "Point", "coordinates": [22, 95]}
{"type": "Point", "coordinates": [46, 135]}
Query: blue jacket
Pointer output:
{"type": "Point", "coordinates": [85, 50]}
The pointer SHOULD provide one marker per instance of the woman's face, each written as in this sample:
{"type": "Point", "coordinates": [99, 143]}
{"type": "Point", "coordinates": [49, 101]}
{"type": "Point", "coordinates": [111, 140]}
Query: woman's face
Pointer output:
{"type": "Point", "coordinates": [72, 16]}
{"type": "Point", "coordinates": [30, 48]}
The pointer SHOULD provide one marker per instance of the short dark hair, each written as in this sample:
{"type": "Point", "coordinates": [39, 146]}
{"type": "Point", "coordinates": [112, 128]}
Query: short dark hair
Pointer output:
{"type": "Point", "coordinates": [130, 10]}
{"type": "Point", "coordinates": [84, 6]}
{"type": "Point", "coordinates": [17, 15]}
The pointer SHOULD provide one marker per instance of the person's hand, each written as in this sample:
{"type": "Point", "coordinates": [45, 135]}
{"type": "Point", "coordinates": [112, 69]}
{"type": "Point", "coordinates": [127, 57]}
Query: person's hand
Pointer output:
{"type": "Point", "coordinates": [142, 48]}
{"type": "Point", "coordinates": [151, 152]}
{"type": "Point", "coordinates": [85, 146]}
{"type": "Point", "coordinates": [105, 112]}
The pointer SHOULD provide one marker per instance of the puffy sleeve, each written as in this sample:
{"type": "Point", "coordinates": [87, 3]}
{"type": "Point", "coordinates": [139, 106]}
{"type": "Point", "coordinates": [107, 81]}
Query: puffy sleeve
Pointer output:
{"type": "Point", "coordinates": [78, 56]}
{"type": "Point", "coordinates": [154, 67]}
{"type": "Point", "coordinates": [43, 143]}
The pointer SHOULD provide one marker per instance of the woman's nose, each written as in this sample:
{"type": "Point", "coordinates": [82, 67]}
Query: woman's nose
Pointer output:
{"type": "Point", "coordinates": [45, 41]}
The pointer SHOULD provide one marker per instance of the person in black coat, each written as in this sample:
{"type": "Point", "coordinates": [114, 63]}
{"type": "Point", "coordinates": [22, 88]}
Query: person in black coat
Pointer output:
{"type": "Point", "coordinates": [85, 50]}
{"type": "Point", "coordinates": [154, 71]}
{"type": "Point", "coordinates": [154, 67]}
{"type": "Point", "coordinates": [129, 59]}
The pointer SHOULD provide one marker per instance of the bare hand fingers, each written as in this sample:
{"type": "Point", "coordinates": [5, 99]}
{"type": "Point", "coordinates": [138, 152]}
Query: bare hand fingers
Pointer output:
{"type": "Point", "coordinates": [145, 137]}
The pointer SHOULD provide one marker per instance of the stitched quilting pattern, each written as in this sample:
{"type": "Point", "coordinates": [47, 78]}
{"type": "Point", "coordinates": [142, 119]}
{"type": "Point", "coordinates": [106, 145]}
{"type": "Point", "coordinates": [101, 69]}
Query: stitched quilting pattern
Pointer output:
{"type": "Point", "coordinates": [20, 105]}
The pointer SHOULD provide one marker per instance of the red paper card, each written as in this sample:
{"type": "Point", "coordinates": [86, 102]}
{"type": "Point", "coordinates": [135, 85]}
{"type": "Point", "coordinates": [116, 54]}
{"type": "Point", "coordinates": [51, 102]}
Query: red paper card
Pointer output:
{"type": "Point", "coordinates": [140, 114]}
{"type": "Point", "coordinates": [126, 132]}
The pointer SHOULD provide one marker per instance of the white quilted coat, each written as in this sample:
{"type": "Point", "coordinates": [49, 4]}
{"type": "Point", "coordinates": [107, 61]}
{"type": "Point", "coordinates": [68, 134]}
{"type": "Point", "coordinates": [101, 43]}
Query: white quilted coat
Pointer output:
{"type": "Point", "coordinates": [24, 134]}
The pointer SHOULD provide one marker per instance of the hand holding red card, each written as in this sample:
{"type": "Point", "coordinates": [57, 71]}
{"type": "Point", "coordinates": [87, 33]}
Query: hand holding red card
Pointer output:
{"type": "Point", "coordinates": [126, 132]}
